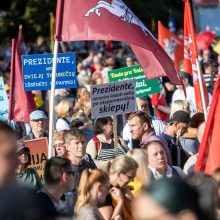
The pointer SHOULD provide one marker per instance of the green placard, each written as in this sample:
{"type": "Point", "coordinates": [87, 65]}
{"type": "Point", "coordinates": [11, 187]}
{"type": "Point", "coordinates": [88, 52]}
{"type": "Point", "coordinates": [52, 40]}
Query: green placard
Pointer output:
{"type": "Point", "coordinates": [144, 86]}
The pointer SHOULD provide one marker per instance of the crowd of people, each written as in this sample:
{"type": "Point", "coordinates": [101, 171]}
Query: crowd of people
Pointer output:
{"type": "Point", "coordinates": [146, 172]}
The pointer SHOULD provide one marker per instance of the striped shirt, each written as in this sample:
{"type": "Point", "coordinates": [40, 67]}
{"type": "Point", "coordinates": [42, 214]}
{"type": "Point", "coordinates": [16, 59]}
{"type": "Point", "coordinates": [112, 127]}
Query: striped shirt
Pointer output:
{"type": "Point", "coordinates": [108, 152]}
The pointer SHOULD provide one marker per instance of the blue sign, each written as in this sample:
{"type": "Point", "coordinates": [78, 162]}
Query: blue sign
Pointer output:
{"type": "Point", "coordinates": [37, 71]}
{"type": "Point", "coordinates": [3, 102]}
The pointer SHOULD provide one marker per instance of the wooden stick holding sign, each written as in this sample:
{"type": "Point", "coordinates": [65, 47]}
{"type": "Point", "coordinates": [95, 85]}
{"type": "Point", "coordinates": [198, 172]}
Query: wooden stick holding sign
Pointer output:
{"type": "Point", "coordinates": [113, 99]}
{"type": "Point", "coordinates": [115, 133]}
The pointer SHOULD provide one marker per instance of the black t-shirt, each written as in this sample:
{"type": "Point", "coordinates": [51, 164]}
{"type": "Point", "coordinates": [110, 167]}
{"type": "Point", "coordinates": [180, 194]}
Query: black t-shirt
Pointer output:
{"type": "Point", "coordinates": [176, 150]}
{"type": "Point", "coordinates": [78, 172]}
{"type": "Point", "coordinates": [49, 209]}
{"type": "Point", "coordinates": [20, 203]}
{"type": "Point", "coordinates": [107, 202]}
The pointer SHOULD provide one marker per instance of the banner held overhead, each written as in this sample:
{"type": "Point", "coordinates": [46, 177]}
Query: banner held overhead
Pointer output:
{"type": "Point", "coordinates": [144, 86]}
{"type": "Point", "coordinates": [113, 98]}
{"type": "Point", "coordinates": [37, 71]}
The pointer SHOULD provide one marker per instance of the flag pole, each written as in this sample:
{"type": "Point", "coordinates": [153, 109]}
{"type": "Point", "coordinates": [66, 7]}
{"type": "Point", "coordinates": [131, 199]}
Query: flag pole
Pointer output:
{"type": "Point", "coordinates": [201, 89]}
{"type": "Point", "coordinates": [52, 94]}
{"type": "Point", "coordinates": [115, 125]}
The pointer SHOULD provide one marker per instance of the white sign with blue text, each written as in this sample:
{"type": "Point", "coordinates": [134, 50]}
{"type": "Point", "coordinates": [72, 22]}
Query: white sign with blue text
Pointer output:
{"type": "Point", "coordinates": [37, 71]}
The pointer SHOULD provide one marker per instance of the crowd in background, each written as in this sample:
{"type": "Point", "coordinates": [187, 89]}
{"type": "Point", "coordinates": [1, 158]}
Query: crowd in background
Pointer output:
{"type": "Point", "coordinates": [149, 175]}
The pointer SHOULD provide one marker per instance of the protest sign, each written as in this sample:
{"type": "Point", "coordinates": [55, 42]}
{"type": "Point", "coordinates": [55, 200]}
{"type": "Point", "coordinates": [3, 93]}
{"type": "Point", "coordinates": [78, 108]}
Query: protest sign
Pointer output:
{"type": "Point", "coordinates": [113, 98]}
{"type": "Point", "coordinates": [144, 86]}
{"type": "Point", "coordinates": [37, 71]}
{"type": "Point", "coordinates": [38, 154]}
{"type": "Point", "coordinates": [3, 101]}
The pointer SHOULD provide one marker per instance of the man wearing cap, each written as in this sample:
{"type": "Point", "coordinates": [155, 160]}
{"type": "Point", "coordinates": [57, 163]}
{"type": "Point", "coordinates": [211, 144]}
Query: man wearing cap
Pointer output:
{"type": "Point", "coordinates": [190, 93]}
{"type": "Point", "coordinates": [176, 126]}
{"type": "Point", "coordinates": [38, 126]}
{"type": "Point", "coordinates": [26, 176]}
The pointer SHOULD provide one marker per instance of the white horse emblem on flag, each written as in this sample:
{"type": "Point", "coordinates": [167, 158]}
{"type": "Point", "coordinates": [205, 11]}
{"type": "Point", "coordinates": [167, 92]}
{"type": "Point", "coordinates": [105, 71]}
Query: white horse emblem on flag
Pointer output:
{"type": "Point", "coordinates": [118, 8]}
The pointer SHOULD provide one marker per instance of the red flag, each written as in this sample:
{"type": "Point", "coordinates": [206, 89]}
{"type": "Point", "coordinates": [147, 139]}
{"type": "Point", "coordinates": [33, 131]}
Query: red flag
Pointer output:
{"type": "Point", "coordinates": [209, 151]}
{"type": "Point", "coordinates": [191, 54]}
{"type": "Point", "coordinates": [113, 20]}
{"type": "Point", "coordinates": [21, 103]}
{"type": "Point", "coordinates": [171, 43]}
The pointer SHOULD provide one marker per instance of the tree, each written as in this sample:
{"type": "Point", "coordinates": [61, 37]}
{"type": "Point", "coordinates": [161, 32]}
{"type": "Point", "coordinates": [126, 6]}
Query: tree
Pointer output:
{"type": "Point", "coordinates": [34, 15]}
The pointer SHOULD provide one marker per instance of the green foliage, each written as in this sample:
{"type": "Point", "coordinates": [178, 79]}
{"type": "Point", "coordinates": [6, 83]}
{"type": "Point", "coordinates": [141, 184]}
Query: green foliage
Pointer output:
{"type": "Point", "coordinates": [34, 15]}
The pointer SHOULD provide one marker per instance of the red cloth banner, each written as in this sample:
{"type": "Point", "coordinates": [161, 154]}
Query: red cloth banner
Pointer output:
{"type": "Point", "coordinates": [171, 43]}
{"type": "Point", "coordinates": [191, 54]}
{"type": "Point", "coordinates": [209, 151]}
{"type": "Point", "coordinates": [113, 20]}
{"type": "Point", "coordinates": [21, 103]}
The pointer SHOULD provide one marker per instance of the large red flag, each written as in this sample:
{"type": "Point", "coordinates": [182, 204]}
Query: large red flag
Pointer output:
{"type": "Point", "coordinates": [171, 43]}
{"type": "Point", "coordinates": [191, 54]}
{"type": "Point", "coordinates": [113, 20]}
{"type": "Point", "coordinates": [21, 103]}
{"type": "Point", "coordinates": [209, 150]}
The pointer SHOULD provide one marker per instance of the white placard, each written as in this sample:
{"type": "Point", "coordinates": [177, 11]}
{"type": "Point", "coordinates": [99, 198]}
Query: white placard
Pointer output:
{"type": "Point", "coordinates": [113, 98]}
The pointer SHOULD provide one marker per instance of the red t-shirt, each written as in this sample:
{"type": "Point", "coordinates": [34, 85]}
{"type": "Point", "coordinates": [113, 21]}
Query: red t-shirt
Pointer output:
{"type": "Point", "coordinates": [158, 99]}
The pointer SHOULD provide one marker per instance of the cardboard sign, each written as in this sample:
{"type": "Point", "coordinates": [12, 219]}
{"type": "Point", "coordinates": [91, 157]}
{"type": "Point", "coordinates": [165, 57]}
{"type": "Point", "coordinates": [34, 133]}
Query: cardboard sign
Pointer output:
{"type": "Point", "coordinates": [113, 98]}
{"type": "Point", "coordinates": [38, 154]}
{"type": "Point", "coordinates": [144, 86]}
{"type": "Point", "coordinates": [37, 71]}
{"type": "Point", "coordinates": [4, 105]}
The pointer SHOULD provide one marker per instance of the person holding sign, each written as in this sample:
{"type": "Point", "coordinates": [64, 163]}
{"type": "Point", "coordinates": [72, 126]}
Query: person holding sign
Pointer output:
{"type": "Point", "coordinates": [101, 147]}
{"type": "Point", "coordinates": [26, 176]}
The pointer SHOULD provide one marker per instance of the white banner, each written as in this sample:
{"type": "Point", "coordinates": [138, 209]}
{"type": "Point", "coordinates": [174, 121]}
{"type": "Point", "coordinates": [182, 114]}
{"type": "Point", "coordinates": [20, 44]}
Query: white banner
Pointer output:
{"type": "Point", "coordinates": [113, 98]}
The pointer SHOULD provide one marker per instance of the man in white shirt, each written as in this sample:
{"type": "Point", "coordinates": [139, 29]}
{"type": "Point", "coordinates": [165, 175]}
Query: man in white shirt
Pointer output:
{"type": "Point", "coordinates": [190, 93]}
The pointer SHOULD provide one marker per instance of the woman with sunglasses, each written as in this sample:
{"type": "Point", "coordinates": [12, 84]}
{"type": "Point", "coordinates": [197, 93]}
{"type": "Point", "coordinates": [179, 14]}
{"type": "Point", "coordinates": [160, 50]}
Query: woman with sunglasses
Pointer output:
{"type": "Point", "coordinates": [93, 188]}
{"type": "Point", "coordinates": [118, 202]}
{"type": "Point", "coordinates": [26, 176]}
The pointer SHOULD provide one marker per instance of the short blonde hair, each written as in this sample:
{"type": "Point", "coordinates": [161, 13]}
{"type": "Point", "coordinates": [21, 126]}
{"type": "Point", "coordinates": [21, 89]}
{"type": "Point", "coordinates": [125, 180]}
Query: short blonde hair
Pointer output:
{"type": "Point", "coordinates": [179, 105]}
{"type": "Point", "coordinates": [63, 108]}
{"type": "Point", "coordinates": [73, 134]}
{"type": "Point", "coordinates": [122, 164]}
{"type": "Point", "coordinates": [58, 135]}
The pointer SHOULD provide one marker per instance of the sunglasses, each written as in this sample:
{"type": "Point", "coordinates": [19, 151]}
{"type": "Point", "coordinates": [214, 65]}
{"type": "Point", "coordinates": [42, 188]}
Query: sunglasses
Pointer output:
{"type": "Point", "coordinates": [59, 145]}
{"type": "Point", "coordinates": [37, 120]}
